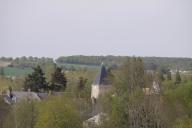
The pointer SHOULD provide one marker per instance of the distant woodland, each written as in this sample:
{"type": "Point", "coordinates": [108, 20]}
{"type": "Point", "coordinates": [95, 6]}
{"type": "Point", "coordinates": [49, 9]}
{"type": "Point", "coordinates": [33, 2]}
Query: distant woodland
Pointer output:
{"type": "Point", "coordinates": [114, 61]}
{"type": "Point", "coordinates": [151, 63]}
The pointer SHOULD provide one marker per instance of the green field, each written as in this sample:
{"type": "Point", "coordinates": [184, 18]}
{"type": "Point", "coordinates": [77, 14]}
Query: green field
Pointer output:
{"type": "Point", "coordinates": [13, 71]}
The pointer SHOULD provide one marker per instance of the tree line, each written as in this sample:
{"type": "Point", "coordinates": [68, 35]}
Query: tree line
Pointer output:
{"type": "Point", "coordinates": [151, 63]}
{"type": "Point", "coordinates": [30, 62]}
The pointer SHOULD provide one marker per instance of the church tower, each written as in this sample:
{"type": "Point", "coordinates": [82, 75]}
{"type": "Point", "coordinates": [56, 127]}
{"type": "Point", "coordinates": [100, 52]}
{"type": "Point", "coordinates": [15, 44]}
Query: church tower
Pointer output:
{"type": "Point", "coordinates": [99, 86]}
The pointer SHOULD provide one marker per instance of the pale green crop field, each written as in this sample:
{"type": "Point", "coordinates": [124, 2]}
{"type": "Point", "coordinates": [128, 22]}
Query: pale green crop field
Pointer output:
{"type": "Point", "coordinates": [13, 71]}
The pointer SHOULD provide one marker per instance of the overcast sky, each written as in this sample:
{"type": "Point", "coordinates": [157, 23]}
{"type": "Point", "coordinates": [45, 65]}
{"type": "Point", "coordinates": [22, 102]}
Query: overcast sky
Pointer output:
{"type": "Point", "coordinates": [55, 28]}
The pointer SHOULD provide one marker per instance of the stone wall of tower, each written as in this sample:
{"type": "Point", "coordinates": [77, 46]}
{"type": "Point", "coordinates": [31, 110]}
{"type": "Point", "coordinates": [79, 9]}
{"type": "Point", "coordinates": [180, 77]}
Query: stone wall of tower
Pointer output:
{"type": "Point", "coordinates": [95, 91]}
{"type": "Point", "coordinates": [98, 90]}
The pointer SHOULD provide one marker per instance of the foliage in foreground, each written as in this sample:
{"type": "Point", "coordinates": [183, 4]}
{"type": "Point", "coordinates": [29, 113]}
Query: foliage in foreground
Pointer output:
{"type": "Point", "coordinates": [55, 112]}
{"type": "Point", "coordinates": [126, 106]}
{"type": "Point", "coordinates": [58, 112]}
{"type": "Point", "coordinates": [22, 115]}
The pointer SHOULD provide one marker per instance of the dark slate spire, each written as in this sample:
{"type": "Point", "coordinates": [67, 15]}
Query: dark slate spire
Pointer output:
{"type": "Point", "coordinates": [101, 76]}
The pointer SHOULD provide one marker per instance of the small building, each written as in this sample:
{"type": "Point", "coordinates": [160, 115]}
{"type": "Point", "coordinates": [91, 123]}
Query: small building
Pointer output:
{"type": "Point", "coordinates": [94, 121]}
{"type": "Point", "coordinates": [154, 89]}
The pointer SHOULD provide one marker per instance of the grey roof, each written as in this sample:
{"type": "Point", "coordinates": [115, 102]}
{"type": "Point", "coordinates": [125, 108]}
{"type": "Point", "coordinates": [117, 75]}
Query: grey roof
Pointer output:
{"type": "Point", "coordinates": [101, 77]}
{"type": "Point", "coordinates": [42, 95]}
{"type": "Point", "coordinates": [20, 95]}
{"type": "Point", "coordinates": [45, 95]}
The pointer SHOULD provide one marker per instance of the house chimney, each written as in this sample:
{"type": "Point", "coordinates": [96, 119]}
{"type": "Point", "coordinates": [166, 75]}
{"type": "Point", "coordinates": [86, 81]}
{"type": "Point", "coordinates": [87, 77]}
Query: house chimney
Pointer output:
{"type": "Point", "coordinates": [10, 93]}
{"type": "Point", "coordinates": [29, 90]}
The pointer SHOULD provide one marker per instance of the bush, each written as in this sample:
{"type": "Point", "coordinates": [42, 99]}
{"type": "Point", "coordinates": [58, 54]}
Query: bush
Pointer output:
{"type": "Point", "coordinates": [58, 112]}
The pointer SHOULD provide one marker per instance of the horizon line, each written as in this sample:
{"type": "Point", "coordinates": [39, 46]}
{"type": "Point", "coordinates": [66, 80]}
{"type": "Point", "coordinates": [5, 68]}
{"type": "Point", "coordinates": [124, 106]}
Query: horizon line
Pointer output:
{"type": "Point", "coordinates": [14, 57]}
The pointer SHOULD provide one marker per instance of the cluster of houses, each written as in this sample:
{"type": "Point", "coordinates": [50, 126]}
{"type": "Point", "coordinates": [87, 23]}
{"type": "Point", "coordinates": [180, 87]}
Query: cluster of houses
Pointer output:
{"type": "Point", "coordinates": [99, 87]}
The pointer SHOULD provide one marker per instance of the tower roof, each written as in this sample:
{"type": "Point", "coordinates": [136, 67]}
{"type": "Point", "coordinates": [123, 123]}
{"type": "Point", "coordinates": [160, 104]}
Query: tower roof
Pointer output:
{"type": "Point", "coordinates": [101, 76]}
